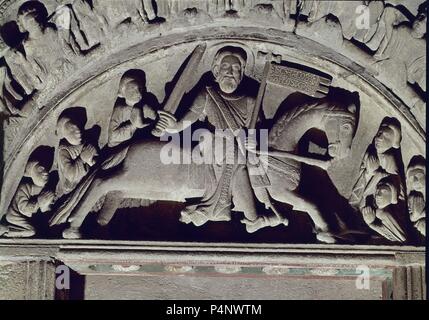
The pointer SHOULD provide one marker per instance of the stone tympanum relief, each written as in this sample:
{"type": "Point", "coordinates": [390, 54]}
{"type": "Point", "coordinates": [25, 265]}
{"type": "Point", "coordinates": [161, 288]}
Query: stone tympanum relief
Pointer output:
{"type": "Point", "coordinates": [224, 127]}
{"type": "Point", "coordinates": [225, 105]}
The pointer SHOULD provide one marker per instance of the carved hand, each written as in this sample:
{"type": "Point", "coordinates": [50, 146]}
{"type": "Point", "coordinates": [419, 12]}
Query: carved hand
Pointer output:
{"type": "Point", "coordinates": [421, 226]}
{"type": "Point", "coordinates": [45, 200]}
{"type": "Point", "coordinates": [137, 117]}
{"type": "Point", "coordinates": [89, 154]}
{"type": "Point", "coordinates": [416, 205]}
{"type": "Point", "coordinates": [368, 214]}
{"type": "Point", "coordinates": [148, 112]}
{"type": "Point", "coordinates": [166, 121]}
{"type": "Point", "coordinates": [372, 163]}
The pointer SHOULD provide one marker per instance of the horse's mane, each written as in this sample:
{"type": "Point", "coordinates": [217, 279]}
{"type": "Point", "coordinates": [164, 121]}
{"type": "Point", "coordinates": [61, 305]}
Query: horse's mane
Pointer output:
{"type": "Point", "coordinates": [283, 122]}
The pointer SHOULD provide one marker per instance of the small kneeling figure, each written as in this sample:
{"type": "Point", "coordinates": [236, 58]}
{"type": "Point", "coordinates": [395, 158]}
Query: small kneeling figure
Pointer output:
{"type": "Point", "coordinates": [416, 185]}
{"type": "Point", "coordinates": [379, 214]}
{"type": "Point", "coordinates": [30, 197]}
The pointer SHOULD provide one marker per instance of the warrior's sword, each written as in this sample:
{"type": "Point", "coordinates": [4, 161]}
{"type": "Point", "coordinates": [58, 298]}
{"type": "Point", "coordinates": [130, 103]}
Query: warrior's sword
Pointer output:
{"type": "Point", "coordinates": [176, 95]}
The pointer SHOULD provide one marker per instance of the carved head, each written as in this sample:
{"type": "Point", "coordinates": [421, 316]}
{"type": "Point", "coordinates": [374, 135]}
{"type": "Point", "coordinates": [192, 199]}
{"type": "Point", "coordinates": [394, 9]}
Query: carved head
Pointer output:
{"type": "Point", "coordinates": [340, 127]}
{"type": "Point", "coordinates": [228, 68]}
{"type": "Point", "coordinates": [38, 173]}
{"type": "Point", "coordinates": [31, 17]}
{"type": "Point", "coordinates": [388, 135]}
{"type": "Point", "coordinates": [416, 175]}
{"type": "Point", "coordinates": [419, 26]}
{"type": "Point", "coordinates": [69, 130]}
{"type": "Point", "coordinates": [386, 193]}
{"type": "Point", "coordinates": [131, 87]}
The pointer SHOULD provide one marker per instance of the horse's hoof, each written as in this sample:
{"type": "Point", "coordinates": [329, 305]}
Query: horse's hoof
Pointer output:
{"type": "Point", "coordinates": [326, 237]}
{"type": "Point", "coordinates": [72, 233]}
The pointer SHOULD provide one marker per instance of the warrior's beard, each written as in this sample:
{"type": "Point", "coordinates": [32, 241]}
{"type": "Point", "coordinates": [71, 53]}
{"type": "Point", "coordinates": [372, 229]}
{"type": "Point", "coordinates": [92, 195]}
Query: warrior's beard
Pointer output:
{"type": "Point", "coordinates": [228, 84]}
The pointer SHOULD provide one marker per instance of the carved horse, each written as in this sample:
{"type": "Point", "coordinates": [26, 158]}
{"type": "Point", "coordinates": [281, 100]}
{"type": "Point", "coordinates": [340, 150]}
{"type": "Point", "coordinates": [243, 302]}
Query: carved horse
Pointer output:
{"type": "Point", "coordinates": [339, 123]}
{"type": "Point", "coordinates": [143, 175]}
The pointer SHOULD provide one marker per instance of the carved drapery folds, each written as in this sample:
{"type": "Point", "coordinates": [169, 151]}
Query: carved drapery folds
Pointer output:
{"type": "Point", "coordinates": [87, 79]}
{"type": "Point", "coordinates": [35, 194]}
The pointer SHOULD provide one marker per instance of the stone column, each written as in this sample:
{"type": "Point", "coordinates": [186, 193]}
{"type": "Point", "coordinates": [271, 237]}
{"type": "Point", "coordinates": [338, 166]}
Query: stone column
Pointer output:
{"type": "Point", "coordinates": [27, 279]}
{"type": "Point", "coordinates": [409, 282]}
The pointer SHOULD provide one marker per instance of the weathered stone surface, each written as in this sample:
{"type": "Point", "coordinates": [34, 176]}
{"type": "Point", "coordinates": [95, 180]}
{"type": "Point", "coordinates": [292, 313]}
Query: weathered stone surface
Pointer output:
{"type": "Point", "coordinates": [408, 283]}
{"type": "Point", "coordinates": [115, 115]}
{"type": "Point", "coordinates": [83, 106]}
{"type": "Point", "coordinates": [26, 279]}
{"type": "Point", "coordinates": [226, 288]}
{"type": "Point", "coordinates": [160, 270]}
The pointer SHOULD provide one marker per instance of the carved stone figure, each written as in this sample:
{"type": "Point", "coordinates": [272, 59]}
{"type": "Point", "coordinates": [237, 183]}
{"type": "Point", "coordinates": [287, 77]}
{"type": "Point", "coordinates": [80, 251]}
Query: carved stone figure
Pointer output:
{"type": "Point", "coordinates": [75, 155]}
{"type": "Point", "coordinates": [406, 50]}
{"type": "Point", "coordinates": [390, 18]}
{"type": "Point", "coordinates": [23, 73]}
{"type": "Point", "coordinates": [30, 197]}
{"type": "Point", "coordinates": [348, 16]}
{"type": "Point", "coordinates": [8, 94]}
{"type": "Point", "coordinates": [416, 188]}
{"type": "Point", "coordinates": [400, 50]}
{"type": "Point", "coordinates": [284, 170]}
{"type": "Point", "coordinates": [129, 112]}
{"type": "Point", "coordinates": [379, 211]}
{"type": "Point", "coordinates": [381, 159]}
{"type": "Point", "coordinates": [117, 12]}
{"type": "Point", "coordinates": [220, 101]}
{"type": "Point", "coordinates": [227, 107]}
{"type": "Point", "coordinates": [85, 25]}
{"type": "Point", "coordinates": [46, 61]}
{"type": "Point", "coordinates": [74, 32]}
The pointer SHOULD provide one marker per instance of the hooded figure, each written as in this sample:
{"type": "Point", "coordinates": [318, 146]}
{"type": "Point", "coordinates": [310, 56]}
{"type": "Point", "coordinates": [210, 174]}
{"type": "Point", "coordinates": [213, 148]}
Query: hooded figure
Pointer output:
{"type": "Point", "coordinates": [381, 159]}
{"type": "Point", "coordinates": [75, 156]}
{"type": "Point", "coordinates": [30, 197]}
{"type": "Point", "coordinates": [380, 213]}
{"type": "Point", "coordinates": [416, 186]}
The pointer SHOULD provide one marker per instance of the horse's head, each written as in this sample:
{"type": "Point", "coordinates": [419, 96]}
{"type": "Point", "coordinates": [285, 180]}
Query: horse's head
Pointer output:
{"type": "Point", "coordinates": [340, 124]}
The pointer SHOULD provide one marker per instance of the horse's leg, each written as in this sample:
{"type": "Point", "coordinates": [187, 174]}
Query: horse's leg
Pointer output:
{"type": "Point", "coordinates": [97, 189]}
{"type": "Point", "coordinates": [281, 193]}
{"type": "Point", "coordinates": [111, 204]}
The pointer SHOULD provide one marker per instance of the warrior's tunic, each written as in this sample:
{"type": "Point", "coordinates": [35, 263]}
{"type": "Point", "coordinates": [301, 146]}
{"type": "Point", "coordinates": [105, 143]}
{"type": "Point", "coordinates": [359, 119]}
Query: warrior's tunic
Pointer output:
{"type": "Point", "coordinates": [223, 112]}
